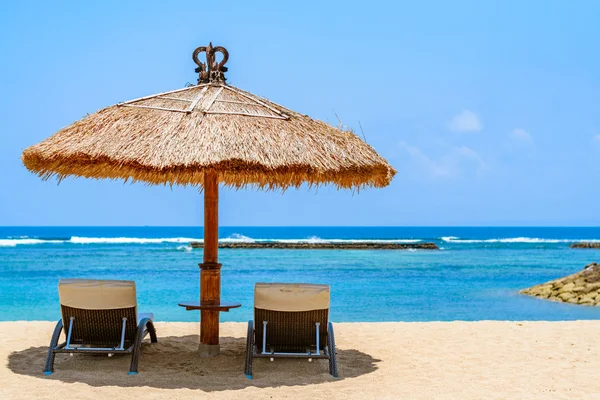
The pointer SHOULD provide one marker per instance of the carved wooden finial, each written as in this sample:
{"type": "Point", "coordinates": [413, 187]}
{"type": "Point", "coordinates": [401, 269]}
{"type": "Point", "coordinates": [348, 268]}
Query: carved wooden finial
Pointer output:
{"type": "Point", "coordinates": [211, 70]}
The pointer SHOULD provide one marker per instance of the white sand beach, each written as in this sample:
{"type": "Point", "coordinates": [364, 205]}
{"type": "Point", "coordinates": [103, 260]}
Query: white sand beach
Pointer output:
{"type": "Point", "coordinates": [434, 360]}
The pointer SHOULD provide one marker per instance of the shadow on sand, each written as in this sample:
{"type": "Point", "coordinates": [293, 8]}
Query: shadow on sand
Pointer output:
{"type": "Point", "coordinates": [173, 363]}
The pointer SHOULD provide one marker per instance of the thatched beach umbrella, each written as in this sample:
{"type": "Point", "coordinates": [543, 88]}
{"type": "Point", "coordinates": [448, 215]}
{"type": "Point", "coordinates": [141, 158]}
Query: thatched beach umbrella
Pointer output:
{"type": "Point", "coordinates": [203, 135]}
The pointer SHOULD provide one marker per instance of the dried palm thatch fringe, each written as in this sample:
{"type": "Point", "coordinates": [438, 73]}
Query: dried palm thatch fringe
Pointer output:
{"type": "Point", "coordinates": [176, 137]}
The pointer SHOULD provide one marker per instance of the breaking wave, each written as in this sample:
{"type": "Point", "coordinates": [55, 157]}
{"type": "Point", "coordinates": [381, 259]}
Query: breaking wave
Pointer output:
{"type": "Point", "coordinates": [128, 240]}
{"type": "Point", "coordinates": [14, 242]}
{"type": "Point", "coordinates": [239, 238]}
{"type": "Point", "coordinates": [235, 238]}
{"type": "Point", "coordinates": [313, 239]}
{"type": "Point", "coordinates": [453, 239]}
{"type": "Point", "coordinates": [92, 240]}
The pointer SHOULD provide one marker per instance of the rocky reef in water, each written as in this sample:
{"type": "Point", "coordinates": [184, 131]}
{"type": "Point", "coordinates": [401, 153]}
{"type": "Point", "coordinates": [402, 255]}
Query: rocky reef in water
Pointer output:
{"type": "Point", "coordinates": [324, 245]}
{"type": "Point", "coordinates": [580, 288]}
{"type": "Point", "coordinates": [585, 245]}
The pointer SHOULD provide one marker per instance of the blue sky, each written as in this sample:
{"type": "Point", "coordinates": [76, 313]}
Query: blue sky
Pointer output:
{"type": "Point", "coordinates": [489, 110]}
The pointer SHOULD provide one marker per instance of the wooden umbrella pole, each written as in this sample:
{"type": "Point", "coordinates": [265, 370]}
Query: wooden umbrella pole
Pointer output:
{"type": "Point", "coordinates": [210, 270]}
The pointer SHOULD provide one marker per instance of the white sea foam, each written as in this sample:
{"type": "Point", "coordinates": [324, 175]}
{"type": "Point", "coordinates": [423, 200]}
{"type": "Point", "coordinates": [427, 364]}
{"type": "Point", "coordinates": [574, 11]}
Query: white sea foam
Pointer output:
{"type": "Point", "coordinates": [449, 238]}
{"type": "Point", "coordinates": [315, 239]}
{"type": "Point", "coordinates": [128, 240]}
{"type": "Point", "coordinates": [452, 239]}
{"type": "Point", "coordinates": [184, 248]}
{"type": "Point", "coordinates": [310, 239]}
{"type": "Point", "coordinates": [15, 242]}
{"type": "Point", "coordinates": [237, 238]}
{"type": "Point", "coordinates": [91, 240]}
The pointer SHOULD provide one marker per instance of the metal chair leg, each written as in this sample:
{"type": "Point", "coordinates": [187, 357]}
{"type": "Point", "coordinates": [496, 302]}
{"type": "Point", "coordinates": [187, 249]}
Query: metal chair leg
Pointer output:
{"type": "Point", "coordinates": [249, 350]}
{"type": "Point", "coordinates": [146, 326]}
{"type": "Point", "coordinates": [49, 369]}
{"type": "Point", "coordinates": [333, 367]}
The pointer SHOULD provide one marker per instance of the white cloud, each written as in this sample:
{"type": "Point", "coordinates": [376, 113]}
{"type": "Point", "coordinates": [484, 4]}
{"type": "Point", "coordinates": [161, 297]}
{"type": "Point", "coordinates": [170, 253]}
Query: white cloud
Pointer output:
{"type": "Point", "coordinates": [465, 121]}
{"type": "Point", "coordinates": [521, 135]}
{"type": "Point", "coordinates": [452, 164]}
{"type": "Point", "coordinates": [466, 153]}
{"type": "Point", "coordinates": [596, 139]}
{"type": "Point", "coordinates": [432, 167]}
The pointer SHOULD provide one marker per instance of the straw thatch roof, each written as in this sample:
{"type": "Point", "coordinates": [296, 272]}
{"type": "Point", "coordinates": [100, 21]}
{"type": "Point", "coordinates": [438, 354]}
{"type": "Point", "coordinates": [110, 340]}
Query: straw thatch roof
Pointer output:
{"type": "Point", "coordinates": [175, 137]}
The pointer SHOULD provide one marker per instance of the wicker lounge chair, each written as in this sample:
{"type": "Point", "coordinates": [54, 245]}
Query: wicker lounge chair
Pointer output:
{"type": "Point", "coordinates": [290, 321]}
{"type": "Point", "coordinates": [100, 316]}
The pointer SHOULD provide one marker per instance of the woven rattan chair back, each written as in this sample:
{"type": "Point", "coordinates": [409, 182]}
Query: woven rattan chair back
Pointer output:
{"type": "Point", "coordinates": [291, 331]}
{"type": "Point", "coordinates": [100, 327]}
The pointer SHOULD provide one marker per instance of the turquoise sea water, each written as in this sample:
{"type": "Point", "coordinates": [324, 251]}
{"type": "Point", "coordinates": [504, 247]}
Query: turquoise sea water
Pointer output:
{"type": "Point", "coordinates": [475, 276]}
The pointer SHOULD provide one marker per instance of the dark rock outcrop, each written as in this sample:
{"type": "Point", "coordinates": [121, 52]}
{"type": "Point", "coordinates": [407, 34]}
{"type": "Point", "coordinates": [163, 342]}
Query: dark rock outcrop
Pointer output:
{"type": "Point", "coordinates": [580, 288]}
{"type": "Point", "coordinates": [585, 245]}
{"type": "Point", "coordinates": [323, 245]}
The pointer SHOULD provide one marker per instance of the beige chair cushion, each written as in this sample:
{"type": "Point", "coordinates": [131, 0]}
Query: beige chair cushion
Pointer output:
{"type": "Point", "coordinates": [291, 296]}
{"type": "Point", "coordinates": [90, 294]}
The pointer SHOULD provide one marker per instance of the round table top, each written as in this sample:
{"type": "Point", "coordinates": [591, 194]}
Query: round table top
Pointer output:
{"type": "Point", "coordinates": [195, 305]}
